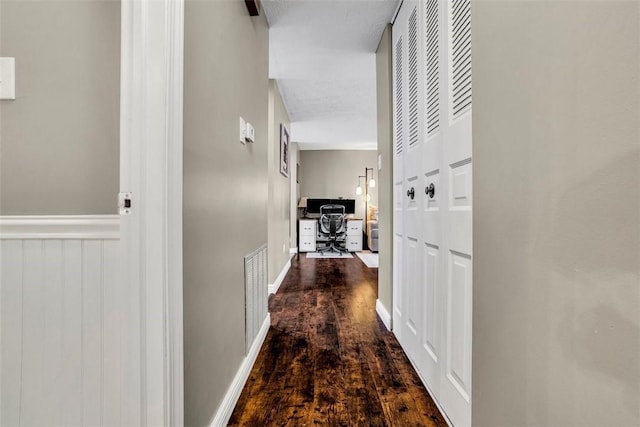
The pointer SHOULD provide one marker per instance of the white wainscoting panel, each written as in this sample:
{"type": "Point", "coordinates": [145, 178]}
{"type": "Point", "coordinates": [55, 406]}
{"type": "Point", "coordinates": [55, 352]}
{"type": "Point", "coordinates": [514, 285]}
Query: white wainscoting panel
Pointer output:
{"type": "Point", "coordinates": [61, 322]}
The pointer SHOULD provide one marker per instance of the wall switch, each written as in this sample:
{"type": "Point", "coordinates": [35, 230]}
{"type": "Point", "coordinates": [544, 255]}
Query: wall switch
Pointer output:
{"type": "Point", "coordinates": [7, 78]}
{"type": "Point", "coordinates": [243, 130]}
{"type": "Point", "coordinates": [251, 133]}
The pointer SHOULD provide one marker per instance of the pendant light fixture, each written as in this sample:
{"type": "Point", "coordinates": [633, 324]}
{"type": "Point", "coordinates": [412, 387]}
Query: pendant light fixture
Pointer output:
{"type": "Point", "coordinates": [359, 189]}
{"type": "Point", "coordinates": [372, 181]}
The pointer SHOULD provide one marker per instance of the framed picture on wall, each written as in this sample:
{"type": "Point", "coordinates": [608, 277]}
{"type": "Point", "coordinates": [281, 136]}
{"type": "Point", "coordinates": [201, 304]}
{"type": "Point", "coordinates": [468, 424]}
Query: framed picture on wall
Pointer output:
{"type": "Point", "coordinates": [284, 150]}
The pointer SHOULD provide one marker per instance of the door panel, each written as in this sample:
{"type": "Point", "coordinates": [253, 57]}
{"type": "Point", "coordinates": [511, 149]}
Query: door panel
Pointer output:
{"type": "Point", "coordinates": [430, 351]}
{"type": "Point", "coordinates": [460, 185]}
{"type": "Point", "coordinates": [399, 126]}
{"type": "Point", "coordinates": [433, 197]}
{"type": "Point", "coordinates": [434, 264]}
{"type": "Point", "coordinates": [455, 391]}
{"type": "Point", "coordinates": [411, 317]}
{"type": "Point", "coordinates": [412, 206]}
{"type": "Point", "coordinates": [459, 295]}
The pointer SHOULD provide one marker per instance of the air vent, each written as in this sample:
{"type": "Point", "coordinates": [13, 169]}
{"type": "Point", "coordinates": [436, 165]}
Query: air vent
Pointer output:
{"type": "Point", "coordinates": [256, 293]}
{"type": "Point", "coordinates": [461, 56]}
{"type": "Point", "coordinates": [433, 67]}
{"type": "Point", "coordinates": [398, 100]}
{"type": "Point", "coordinates": [413, 77]}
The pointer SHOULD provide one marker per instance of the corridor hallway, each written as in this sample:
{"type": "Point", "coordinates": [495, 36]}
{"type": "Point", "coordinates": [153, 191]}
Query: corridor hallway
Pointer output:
{"type": "Point", "coordinates": [328, 360]}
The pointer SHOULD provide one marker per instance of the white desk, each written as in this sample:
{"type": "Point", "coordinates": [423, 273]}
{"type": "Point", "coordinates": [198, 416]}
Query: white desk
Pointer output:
{"type": "Point", "coordinates": [308, 229]}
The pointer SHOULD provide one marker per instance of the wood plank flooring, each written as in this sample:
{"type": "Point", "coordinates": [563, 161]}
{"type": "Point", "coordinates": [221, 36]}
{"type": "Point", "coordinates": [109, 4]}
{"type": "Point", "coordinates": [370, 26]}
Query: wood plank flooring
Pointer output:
{"type": "Point", "coordinates": [327, 359]}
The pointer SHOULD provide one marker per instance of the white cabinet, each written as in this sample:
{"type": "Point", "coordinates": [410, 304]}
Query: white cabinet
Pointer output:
{"type": "Point", "coordinates": [307, 235]}
{"type": "Point", "coordinates": [354, 235]}
{"type": "Point", "coordinates": [308, 231]}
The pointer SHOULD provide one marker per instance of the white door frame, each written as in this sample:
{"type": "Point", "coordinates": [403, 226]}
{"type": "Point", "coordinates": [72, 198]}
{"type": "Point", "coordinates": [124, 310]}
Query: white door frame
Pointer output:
{"type": "Point", "coordinates": [151, 169]}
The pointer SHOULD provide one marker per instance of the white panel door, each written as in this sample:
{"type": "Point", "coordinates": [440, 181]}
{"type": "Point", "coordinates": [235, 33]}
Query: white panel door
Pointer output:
{"type": "Point", "coordinates": [432, 261]}
{"type": "Point", "coordinates": [406, 186]}
{"type": "Point", "coordinates": [432, 197]}
{"type": "Point", "coordinates": [411, 221]}
{"type": "Point", "coordinates": [456, 213]}
{"type": "Point", "coordinates": [399, 143]}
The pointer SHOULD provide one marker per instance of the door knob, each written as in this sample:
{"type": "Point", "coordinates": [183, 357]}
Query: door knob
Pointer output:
{"type": "Point", "coordinates": [411, 193]}
{"type": "Point", "coordinates": [430, 190]}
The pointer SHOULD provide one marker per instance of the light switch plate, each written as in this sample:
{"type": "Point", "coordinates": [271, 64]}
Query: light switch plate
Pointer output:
{"type": "Point", "coordinates": [251, 133]}
{"type": "Point", "coordinates": [7, 78]}
{"type": "Point", "coordinates": [243, 130]}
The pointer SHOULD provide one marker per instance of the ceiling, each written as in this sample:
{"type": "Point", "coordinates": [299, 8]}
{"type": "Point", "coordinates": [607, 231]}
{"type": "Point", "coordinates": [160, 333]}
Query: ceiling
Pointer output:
{"type": "Point", "coordinates": [322, 54]}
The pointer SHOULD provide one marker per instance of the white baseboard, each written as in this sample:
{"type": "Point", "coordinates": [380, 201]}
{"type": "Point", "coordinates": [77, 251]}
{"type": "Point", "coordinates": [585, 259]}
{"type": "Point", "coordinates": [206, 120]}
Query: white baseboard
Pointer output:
{"type": "Point", "coordinates": [233, 392]}
{"type": "Point", "coordinates": [99, 227]}
{"type": "Point", "coordinates": [273, 287]}
{"type": "Point", "coordinates": [383, 314]}
{"type": "Point", "coordinates": [293, 251]}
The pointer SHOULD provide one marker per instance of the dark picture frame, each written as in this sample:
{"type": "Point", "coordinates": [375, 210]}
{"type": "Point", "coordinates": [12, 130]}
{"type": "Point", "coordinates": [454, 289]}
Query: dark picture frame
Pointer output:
{"type": "Point", "coordinates": [284, 150]}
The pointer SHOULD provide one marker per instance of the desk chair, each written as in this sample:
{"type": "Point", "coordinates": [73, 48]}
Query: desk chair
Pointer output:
{"type": "Point", "coordinates": [333, 228]}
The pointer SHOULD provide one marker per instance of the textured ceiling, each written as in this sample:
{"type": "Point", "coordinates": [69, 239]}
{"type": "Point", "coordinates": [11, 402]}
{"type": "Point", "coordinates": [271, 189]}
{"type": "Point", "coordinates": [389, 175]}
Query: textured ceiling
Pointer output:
{"type": "Point", "coordinates": [322, 53]}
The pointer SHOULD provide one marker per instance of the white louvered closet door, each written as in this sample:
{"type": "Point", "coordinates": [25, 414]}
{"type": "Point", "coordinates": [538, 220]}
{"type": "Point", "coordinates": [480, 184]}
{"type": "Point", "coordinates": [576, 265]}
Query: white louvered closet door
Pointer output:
{"type": "Point", "coordinates": [455, 393]}
{"type": "Point", "coordinates": [399, 142]}
{"type": "Point", "coordinates": [406, 308]}
{"type": "Point", "coordinates": [432, 197]}
{"type": "Point", "coordinates": [411, 191]}
{"type": "Point", "coordinates": [429, 360]}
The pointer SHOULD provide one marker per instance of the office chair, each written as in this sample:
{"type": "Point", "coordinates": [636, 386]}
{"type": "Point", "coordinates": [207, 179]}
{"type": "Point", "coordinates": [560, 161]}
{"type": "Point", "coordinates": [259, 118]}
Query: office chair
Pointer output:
{"type": "Point", "coordinates": [333, 228]}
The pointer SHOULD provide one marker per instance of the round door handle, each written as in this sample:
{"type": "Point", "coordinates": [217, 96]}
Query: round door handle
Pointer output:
{"type": "Point", "coordinates": [411, 193]}
{"type": "Point", "coordinates": [430, 190]}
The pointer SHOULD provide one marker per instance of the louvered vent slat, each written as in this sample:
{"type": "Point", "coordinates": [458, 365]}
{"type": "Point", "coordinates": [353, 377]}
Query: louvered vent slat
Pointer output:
{"type": "Point", "coordinates": [433, 67]}
{"type": "Point", "coordinates": [413, 78]}
{"type": "Point", "coordinates": [456, 7]}
{"type": "Point", "coordinates": [255, 281]}
{"type": "Point", "coordinates": [461, 56]}
{"type": "Point", "coordinates": [399, 98]}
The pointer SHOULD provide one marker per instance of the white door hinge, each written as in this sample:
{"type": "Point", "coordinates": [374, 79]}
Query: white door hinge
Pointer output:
{"type": "Point", "coordinates": [124, 203]}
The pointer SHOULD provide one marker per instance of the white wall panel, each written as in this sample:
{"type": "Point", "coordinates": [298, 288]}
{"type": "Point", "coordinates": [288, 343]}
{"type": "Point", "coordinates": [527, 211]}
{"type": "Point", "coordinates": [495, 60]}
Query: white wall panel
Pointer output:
{"type": "Point", "coordinates": [11, 320]}
{"type": "Point", "coordinates": [61, 316]}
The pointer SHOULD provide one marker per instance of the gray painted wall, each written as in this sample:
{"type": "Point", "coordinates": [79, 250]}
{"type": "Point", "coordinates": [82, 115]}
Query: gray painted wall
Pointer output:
{"type": "Point", "coordinates": [60, 138]}
{"type": "Point", "coordinates": [334, 173]}
{"type": "Point", "coordinates": [556, 149]}
{"type": "Point", "coordinates": [385, 185]}
{"type": "Point", "coordinates": [279, 205]}
{"type": "Point", "coordinates": [225, 191]}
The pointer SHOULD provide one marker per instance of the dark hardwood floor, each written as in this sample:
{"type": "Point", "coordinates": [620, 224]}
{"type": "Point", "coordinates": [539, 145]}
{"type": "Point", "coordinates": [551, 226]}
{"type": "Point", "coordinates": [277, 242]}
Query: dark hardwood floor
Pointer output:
{"type": "Point", "coordinates": [327, 359]}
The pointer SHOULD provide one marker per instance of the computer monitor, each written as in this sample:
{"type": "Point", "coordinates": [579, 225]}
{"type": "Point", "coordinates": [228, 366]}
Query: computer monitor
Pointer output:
{"type": "Point", "coordinates": [313, 205]}
{"type": "Point", "coordinates": [349, 205]}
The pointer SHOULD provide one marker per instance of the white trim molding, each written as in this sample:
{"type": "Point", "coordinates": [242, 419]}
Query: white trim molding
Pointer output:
{"type": "Point", "coordinates": [293, 251]}
{"type": "Point", "coordinates": [151, 113]}
{"type": "Point", "coordinates": [383, 313]}
{"type": "Point", "coordinates": [99, 227]}
{"type": "Point", "coordinates": [273, 287]}
{"type": "Point", "coordinates": [233, 392]}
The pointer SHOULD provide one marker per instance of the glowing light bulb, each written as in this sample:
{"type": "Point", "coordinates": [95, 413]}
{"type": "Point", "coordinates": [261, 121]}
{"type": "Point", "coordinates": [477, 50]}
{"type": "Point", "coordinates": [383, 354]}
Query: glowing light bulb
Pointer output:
{"type": "Point", "coordinates": [372, 183]}
{"type": "Point", "coordinates": [358, 190]}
